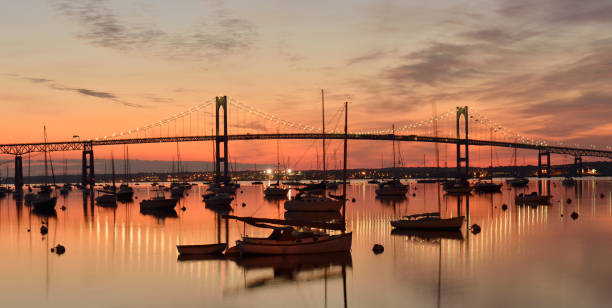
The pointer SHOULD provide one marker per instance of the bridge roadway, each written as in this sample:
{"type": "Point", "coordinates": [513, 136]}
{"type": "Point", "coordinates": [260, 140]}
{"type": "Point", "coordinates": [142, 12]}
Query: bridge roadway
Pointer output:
{"type": "Point", "coordinates": [24, 148]}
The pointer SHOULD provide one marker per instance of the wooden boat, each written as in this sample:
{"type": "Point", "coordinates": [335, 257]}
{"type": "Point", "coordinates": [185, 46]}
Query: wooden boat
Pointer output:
{"type": "Point", "coordinates": [313, 203]}
{"type": "Point", "coordinates": [159, 202]}
{"type": "Point", "coordinates": [391, 188]}
{"type": "Point", "coordinates": [201, 249]}
{"type": "Point", "coordinates": [532, 199]}
{"type": "Point", "coordinates": [428, 221]}
{"type": "Point", "coordinates": [482, 186]}
{"type": "Point", "coordinates": [285, 241]}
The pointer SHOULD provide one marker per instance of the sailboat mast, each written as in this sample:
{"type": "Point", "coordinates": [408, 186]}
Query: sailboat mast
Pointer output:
{"type": "Point", "coordinates": [323, 120]}
{"type": "Point", "coordinates": [113, 167]}
{"type": "Point", "coordinates": [491, 150]}
{"type": "Point", "coordinates": [344, 171]}
{"type": "Point", "coordinates": [277, 163]}
{"type": "Point", "coordinates": [393, 129]}
{"type": "Point", "coordinates": [45, 153]}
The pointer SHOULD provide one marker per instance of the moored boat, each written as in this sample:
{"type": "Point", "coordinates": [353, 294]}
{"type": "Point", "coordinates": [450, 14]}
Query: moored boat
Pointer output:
{"type": "Point", "coordinates": [201, 249]}
{"type": "Point", "coordinates": [159, 202]}
{"type": "Point", "coordinates": [518, 181]}
{"type": "Point", "coordinates": [487, 186]}
{"type": "Point", "coordinates": [428, 221]}
{"type": "Point", "coordinates": [217, 199]}
{"type": "Point", "coordinates": [275, 191]}
{"type": "Point", "coordinates": [391, 188]}
{"type": "Point", "coordinates": [287, 241]}
{"type": "Point", "coordinates": [312, 203]}
{"type": "Point", "coordinates": [532, 199]}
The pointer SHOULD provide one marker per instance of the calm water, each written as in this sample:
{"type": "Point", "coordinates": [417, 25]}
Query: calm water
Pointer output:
{"type": "Point", "coordinates": [530, 257]}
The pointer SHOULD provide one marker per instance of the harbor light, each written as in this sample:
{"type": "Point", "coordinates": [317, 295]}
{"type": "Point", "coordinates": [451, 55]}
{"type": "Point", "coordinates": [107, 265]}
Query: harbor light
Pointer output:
{"type": "Point", "coordinates": [269, 171]}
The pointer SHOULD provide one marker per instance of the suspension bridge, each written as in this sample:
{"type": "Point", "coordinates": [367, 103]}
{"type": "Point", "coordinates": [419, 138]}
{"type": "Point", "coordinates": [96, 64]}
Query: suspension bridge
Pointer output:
{"type": "Point", "coordinates": [459, 132]}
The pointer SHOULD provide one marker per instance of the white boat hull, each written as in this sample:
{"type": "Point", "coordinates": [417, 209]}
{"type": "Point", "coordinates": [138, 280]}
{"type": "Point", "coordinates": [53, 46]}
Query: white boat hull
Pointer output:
{"type": "Point", "coordinates": [433, 224]}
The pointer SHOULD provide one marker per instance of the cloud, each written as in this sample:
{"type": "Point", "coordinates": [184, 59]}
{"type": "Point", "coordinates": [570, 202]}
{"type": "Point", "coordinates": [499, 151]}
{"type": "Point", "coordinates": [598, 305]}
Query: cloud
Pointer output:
{"type": "Point", "coordinates": [82, 91]}
{"type": "Point", "coordinates": [368, 57]}
{"type": "Point", "coordinates": [37, 80]}
{"type": "Point", "coordinates": [560, 11]}
{"type": "Point", "coordinates": [497, 35]}
{"type": "Point", "coordinates": [438, 63]}
{"type": "Point", "coordinates": [220, 35]}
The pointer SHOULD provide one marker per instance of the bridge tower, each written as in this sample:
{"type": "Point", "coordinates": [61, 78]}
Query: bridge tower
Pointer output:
{"type": "Point", "coordinates": [18, 174]}
{"type": "Point", "coordinates": [578, 166]}
{"type": "Point", "coordinates": [87, 174]}
{"type": "Point", "coordinates": [544, 170]}
{"type": "Point", "coordinates": [221, 142]}
{"type": "Point", "coordinates": [463, 160]}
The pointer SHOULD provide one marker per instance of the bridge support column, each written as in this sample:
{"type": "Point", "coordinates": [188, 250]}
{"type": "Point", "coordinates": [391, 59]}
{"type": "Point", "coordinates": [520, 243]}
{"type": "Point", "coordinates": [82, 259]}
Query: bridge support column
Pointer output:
{"type": "Point", "coordinates": [463, 160]}
{"type": "Point", "coordinates": [18, 174]}
{"type": "Point", "coordinates": [221, 142]}
{"type": "Point", "coordinates": [88, 174]}
{"type": "Point", "coordinates": [578, 166]}
{"type": "Point", "coordinates": [544, 170]}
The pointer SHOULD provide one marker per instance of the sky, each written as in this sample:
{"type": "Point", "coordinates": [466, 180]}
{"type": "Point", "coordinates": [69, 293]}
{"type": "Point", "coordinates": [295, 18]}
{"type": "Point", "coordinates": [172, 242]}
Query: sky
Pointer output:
{"type": "Point", "coordinates": [94, 67]}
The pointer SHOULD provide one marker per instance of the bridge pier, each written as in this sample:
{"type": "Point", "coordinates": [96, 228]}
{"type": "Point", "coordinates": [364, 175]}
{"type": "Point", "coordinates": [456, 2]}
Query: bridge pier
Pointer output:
{"type": "Point", "coordinates": [18, 174]}
{"type": "Point", "coordinates": [221, 141]}
{"type": "Point", "coordinates": [463, 160]}
{"type": "Point", "coordinates": [544, 170]}
{"type": "Point", "coordinates": [578, 166]}
{"type": "Point", "coordinates": [87, 172]}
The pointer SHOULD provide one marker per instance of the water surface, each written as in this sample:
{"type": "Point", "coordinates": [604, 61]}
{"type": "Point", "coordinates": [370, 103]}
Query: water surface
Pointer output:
{"type": "Point", "coordinates": [119, 257]}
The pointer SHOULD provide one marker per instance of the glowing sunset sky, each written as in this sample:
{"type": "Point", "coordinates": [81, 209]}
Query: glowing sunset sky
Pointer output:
{"type": "Point", "coordinates": [542, 68]}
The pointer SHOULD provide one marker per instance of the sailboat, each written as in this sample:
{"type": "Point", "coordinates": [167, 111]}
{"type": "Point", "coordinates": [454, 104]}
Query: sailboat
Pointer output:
{"type": "Point", "coordinates": [159, 202]}
{"type": "Point", "coordinates": [125, 192]}
{"type": "Point", "coordinates": [393, 187]}
{"type": "Point", "coordinates": [275, 190]}
{"type": "Point", "coordinates": [108, 197]}
{"type": "Point", "coordinates": [488, 186]}
{"type": "Point", "coordinates": [220, 196]}
{"type": "Point", "coordinates": [428, 221]}
{"type": "Point", "coordinates": [517, 181]}
{"type": "Point", "coordinates": [309, 199]}
{"type": "Point", "coordinates": [285, 239]}
{"type": "Point", "coordinates": [44, 201]}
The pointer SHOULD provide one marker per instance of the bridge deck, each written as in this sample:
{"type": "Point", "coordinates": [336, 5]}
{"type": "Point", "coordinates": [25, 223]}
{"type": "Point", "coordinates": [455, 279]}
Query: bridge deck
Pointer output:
{"type": "Point", "coordinates": [24, 148]}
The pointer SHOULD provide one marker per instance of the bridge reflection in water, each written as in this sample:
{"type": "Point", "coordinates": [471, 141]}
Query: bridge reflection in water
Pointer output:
{"type": "Point", "coordinates": [118, 255]}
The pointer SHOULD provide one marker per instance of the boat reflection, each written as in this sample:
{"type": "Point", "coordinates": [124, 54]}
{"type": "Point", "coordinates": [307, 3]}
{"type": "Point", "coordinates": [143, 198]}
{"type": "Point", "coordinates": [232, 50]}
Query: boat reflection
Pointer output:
{"type": "Point", "coordinates": [313, 216]}
{"type": "Point", "coordinates": [41, 212]}
{"type": "Point", "coordinates": [159, 213]}
{"type": "Point", "coordinates": [428, 235]}
{"type": "Point", "coordinates": [296, 268]}
{"type": "Point", "coordinates": [391, 200]}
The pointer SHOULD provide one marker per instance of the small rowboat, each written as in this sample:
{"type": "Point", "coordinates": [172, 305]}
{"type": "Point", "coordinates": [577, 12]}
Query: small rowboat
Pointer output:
{"type": "Point", "coordinates": [201, 249]}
